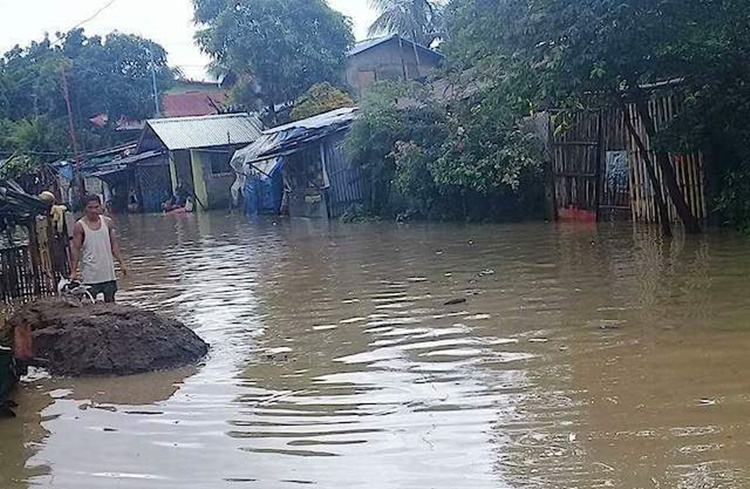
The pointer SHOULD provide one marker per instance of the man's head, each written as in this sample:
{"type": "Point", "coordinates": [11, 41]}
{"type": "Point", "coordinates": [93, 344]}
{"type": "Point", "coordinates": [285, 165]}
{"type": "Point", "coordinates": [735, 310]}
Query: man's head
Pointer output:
{"type": "Point", "coordinates": [92, 206]}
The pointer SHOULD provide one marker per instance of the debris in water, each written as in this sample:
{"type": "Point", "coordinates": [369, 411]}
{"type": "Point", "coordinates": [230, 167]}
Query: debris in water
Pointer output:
{"type": "Point", "coordinates": [538, 340]}
{"type": "Point", "coordinates": [707, 402]}
{"type": "Point", "coordinates": [455, 302]}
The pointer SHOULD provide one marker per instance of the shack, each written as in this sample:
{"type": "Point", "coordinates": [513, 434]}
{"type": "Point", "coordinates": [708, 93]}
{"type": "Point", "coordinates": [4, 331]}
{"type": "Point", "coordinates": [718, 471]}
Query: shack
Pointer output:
{"type": "Point", "coordinates": [389, 57]}
{"type": "Point", "coordinates": [318, 179]}
{"type": "Point", "coordinates": [125, 180]}
{"type": "Point", "coordinates": [33, 252]}
{"type": "Point", "coordinates": [598, 166]}
{"type": "Point", "coordinates": [198, 151]}
{"type": "Point", "coordinates": [132, 182]}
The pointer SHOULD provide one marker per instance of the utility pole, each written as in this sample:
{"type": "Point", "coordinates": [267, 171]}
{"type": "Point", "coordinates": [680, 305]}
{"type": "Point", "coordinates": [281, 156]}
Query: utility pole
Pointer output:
{"type": "Point", "coordinates": [77, 178]}
{"type": "Point", "coordinates": [153, 80]}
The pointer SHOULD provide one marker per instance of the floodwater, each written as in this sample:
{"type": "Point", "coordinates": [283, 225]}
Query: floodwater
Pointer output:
{"type": "Point", "coordinates": [583, 357]}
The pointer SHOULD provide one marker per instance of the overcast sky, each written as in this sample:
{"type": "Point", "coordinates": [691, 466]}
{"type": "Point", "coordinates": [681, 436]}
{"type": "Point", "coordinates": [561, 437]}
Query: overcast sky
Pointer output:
{"type": "Point", "coordinates": [168, 22]}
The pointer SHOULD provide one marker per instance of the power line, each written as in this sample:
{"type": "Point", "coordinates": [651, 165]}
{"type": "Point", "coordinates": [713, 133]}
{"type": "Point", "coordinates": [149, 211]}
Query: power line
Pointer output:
{"type": "Point", "coordinates": [95, 14]}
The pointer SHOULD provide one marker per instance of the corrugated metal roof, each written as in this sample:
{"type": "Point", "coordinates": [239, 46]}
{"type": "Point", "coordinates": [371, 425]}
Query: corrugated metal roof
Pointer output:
{"type": "Point", "coordinates": [206, 131]}
{"type": "Point", "coordinates": [291, 137]}
{"type": "Point", "coordinates": [362, 46]}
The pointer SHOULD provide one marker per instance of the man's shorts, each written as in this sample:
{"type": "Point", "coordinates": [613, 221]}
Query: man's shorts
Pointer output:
{"type": "Point", "coordinates": [107, 288]}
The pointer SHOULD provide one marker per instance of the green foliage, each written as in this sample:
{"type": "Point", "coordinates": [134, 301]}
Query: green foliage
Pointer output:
{"type": "Point", "coordinates": [418, 20]}
{"type": "Point", "coordinates": [590, 53]}
{"type": "Point", "coordinates": [487, 150]}
{"type": "Point", "coordinates": [276, 48]}
{"type": "Point", "coordinates": [441, 157]}
{"type": "Point", "coordinates": [320, 98]}
{"type": "Point", "coordinates": [733, 202]}
{"type": "Point", "coordinates": [111, 75]}
{"type": "Point", "coordinates": [357, 214]}
{"type": "Point", "coordinates": [385, 122]}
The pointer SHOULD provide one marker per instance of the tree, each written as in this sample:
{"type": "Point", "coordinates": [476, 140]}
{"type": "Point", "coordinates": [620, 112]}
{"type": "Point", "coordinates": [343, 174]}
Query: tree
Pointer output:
{"type": "Point", "coordinates": [111, 76]}
{"type": "Point", "coordinates": [588, 53]}
{"type": "Point", "coordinates": [321, 98]}
{"type": "Point", "coordinates": [418, 20]}
{"type": "Point", "coordinates": [114, 75]}
{"type": "Point", "coordinates": [276, 48]}
{"type": "Point", "coordinates": [443, 155]}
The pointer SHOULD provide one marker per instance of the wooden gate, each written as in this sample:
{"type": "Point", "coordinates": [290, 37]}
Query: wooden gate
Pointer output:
{"type": "Point", "coordinates": [576, 141]}
{"type": "Point", "coordinates": [599, 172]}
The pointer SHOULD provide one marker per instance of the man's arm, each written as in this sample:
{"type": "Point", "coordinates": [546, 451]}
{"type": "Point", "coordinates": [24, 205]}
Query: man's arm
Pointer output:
{"type": "Point", "coordinates": [116, 246]}
{"type": "Point", "coordinates": [75, 250]}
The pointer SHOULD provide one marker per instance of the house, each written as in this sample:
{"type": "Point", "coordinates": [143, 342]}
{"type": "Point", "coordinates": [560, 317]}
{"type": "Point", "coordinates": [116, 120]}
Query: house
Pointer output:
{"type": "Point", "coordinates": [142, 176]}
{"type": "Point", "coordinates": [190, 98]}
{"type": "Point", "coordinates": [187, 98]}
{"type": "Point", "coordinates": [388, 58]}
{"type": "Point", "coordinates": [318, 179]}
{"type": "Point", "coordinates": [198, 150]}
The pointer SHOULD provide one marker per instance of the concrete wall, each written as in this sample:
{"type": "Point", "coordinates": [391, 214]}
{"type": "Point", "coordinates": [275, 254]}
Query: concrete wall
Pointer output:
{"type": "Point", "coordinates": [212, 188]}
{"type": "Point", "coordinates": [387, 61]}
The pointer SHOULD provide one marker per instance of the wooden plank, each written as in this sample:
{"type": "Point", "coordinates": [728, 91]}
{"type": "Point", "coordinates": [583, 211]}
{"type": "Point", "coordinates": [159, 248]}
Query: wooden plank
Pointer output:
{"type": "Point", "coordinates": [575, 143]}
{"type": "Point", "coordinates": [576, 174]}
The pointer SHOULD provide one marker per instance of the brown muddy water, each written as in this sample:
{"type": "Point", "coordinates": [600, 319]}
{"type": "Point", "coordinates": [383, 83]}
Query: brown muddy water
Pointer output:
{"type": "Point", "coordinates": [582, 357]}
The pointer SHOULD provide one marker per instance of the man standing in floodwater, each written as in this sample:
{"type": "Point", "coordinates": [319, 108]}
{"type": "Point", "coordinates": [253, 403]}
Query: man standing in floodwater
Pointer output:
{"type": "Point", "coordinates": [94, 240]}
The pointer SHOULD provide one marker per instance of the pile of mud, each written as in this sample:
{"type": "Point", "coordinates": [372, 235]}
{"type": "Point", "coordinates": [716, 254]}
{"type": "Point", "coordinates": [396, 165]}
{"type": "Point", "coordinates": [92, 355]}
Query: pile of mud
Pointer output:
{"type": "Point", "coordinates": [105, 339]}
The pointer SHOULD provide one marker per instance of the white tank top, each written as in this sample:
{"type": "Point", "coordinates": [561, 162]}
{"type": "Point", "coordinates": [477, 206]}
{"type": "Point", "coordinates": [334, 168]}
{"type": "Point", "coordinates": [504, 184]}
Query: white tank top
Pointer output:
{"type": "Point", "coordinates": [98, 263]}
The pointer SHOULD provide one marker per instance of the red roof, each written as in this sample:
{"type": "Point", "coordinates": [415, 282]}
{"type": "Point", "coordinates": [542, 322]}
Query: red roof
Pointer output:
{"type": "Point", "coordinates": [192, 103]}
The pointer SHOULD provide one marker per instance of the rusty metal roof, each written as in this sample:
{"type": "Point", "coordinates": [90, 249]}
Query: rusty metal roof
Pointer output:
{"type": "Point", "coordinates": [205, 131]}
{"type": "Point", "coordinates": [192, 104]}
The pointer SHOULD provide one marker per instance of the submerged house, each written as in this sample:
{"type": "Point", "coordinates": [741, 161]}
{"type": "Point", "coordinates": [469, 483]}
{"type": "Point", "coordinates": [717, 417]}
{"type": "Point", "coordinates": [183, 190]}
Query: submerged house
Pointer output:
{"type": "Point", "coordinates": [388, 58]}
{"type": "Point", "coordinates": [129, 175]}
{"type": "Point", "coordinates": [198, 151]}
{"type": "Point", "coordinates": [300, 168]}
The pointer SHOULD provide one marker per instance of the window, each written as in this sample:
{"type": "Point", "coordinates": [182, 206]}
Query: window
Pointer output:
{"type": "Point", "coordinates": [219, 161]}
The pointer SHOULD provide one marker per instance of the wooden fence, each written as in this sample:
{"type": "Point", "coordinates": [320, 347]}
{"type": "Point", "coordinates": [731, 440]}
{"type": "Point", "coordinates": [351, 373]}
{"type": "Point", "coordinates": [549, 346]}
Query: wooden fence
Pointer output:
{"type": "Point", "coordinates": [598, 172]}
{"type": "Point", "coordinates": [689, 169]}
{"type": "Point", "coordinates": [32, 270]}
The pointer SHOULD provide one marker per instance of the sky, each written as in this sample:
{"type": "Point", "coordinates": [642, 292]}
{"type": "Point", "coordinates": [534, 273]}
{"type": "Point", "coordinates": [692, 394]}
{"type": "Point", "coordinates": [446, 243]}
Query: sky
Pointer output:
{"type": "Point", "coordinates": [168, 22]}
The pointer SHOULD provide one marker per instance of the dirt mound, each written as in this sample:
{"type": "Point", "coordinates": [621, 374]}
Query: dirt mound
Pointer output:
{"type": "Point", "coordinates": [106, 339]}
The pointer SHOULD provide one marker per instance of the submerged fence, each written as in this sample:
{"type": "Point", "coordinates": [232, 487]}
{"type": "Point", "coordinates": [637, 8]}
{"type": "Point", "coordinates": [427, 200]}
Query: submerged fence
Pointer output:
{"type": "Point", "coordinates": [689, 168]}
{"type": "Point", "coordinates": [599, 171]}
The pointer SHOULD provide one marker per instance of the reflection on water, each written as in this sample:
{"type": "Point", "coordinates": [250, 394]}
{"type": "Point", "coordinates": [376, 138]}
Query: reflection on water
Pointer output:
{"type": "Point", "coordinates": [581, 357]}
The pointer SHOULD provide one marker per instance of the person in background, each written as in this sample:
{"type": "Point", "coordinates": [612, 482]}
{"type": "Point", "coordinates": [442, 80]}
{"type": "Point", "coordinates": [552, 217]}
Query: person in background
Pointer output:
{"type": "Point", "coordinates": [133, 205]}
{"type": "Point", "coordinates": [169, 203]}
{"type": "Point", "coordinates": [181, 195]}
{"type": "Point", "coordinates": [95, 246]}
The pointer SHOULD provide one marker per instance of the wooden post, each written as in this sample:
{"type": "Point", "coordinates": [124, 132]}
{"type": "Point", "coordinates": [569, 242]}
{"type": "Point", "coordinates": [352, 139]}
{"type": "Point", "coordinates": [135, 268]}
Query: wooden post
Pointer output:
{"type": "Point", "coordinates": [670, 179]}
{"type": "Point", "coordinates": [77, 178]}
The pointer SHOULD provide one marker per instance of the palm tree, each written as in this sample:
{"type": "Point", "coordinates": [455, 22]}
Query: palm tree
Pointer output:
{"type": "Point", "coordinates": [417, 20]}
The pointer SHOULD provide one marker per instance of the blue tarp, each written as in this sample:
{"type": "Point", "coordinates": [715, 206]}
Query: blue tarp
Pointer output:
{"type": "Point", "coordinates": [258, 166]}
{"type": "Point", "coordinates": [263, 189]}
